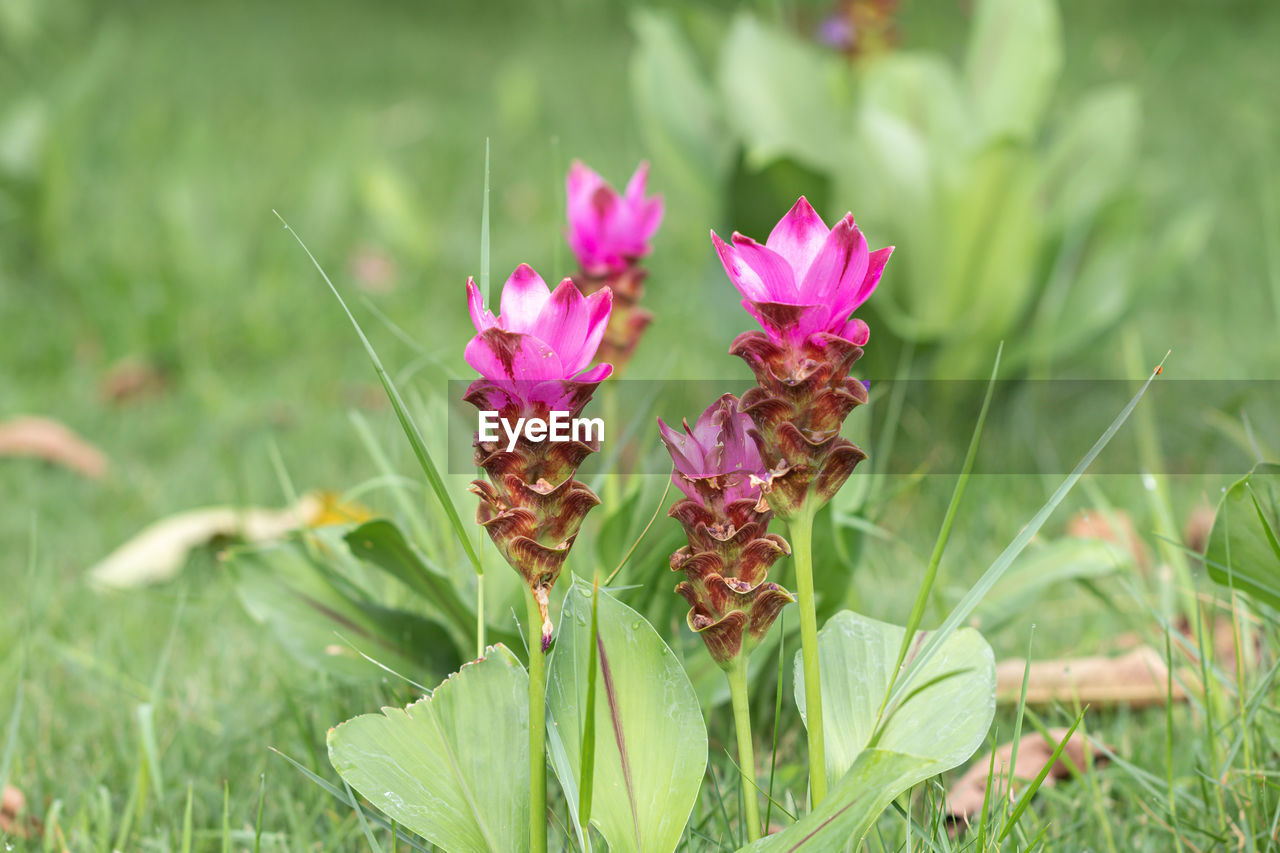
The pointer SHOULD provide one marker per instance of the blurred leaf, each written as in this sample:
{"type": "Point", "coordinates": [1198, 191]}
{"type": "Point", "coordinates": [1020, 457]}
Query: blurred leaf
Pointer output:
{"type": "Point", "coordinates": [311, 609]}
{"type": "Point", "coordinates": [159, 551]}
{"type": "Point", "coordinates": [1012, 64]}
{"type": "Point", "coordinates": [52, 441]}
{"type": "Point", "coordinates": [922, 90]}
{"type": "Point", "coordinates": [1030, 577]}
{"type": "Point", "coordinates": [1244, 545]}
{"type": "Point", "coordinates": [783, 95]}
{"type": "Point", "coordinates": [1092, 156]}
{"type": "Point", "coordinates": [619, 529]}
{"type": "Point", "coordinates": [940, 724]}
{"type": "Point", "coordinates": [991, 241]}
{"type": "Point", "coordinates": [679, 115]}
{"type": "Point", "coordinates": [651, 742]}
{"type": "Point", "coordinates": [453, 766]}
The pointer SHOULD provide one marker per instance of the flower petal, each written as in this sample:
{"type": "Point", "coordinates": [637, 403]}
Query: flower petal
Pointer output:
{"type": "Point", "coordinates": [562, 324]}
{"type": "Point", "coordinates": [773, 269]}
{"type": "Point", "coordinates": [522, 299]}
{"type": "Point", "coordinates": [838, 269]}
{"type": "Point", "coordinates": [599, 305]}
{"type": "Point", "coordinates": [635, 186]}
{"type": "Point", "coordinates": [481, 317]}
{"type": "Point", "coordinates": [875, 268]}
{"type": "Point", "coordinates": [498, 355]}
{"type": "Point", "coordinates": [798, 237]}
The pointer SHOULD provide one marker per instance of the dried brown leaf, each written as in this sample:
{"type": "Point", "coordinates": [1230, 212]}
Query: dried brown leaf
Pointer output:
{"type": "Point", "coordinates": [47, 439]}
{"type": "Point", "coordinates": [1137, 678]}
{"type": "Point", "coordinates": [964, 800]}
{"type": "Point", "coordinates": [132, 379]}
{"type": "Point", "coordinates": [1114, 527]}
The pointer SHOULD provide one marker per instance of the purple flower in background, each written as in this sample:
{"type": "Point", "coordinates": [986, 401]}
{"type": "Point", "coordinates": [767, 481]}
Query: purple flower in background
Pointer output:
{"type": "Point", "coordinates": [609, 232]}
{"type": "Point", "coordinates": [806, 278]}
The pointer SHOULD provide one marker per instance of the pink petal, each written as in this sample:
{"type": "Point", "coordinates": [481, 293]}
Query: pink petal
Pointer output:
{"type": "Point", "coordinates": [635, 186]}
{"type": "Point", "coordinates": [837, 272]}
{"type": "Point", "coordinates": [798, 237]}
{"type": "Point", "coordinates": [856, 332]}
{"type": "Point", "coordinates": [481, 317]}
{"type": "Point", "coordinates": [501, 355]}
{"type": "Point", "coordinates": [772, 268]}
{"type": "Point", "coordinates": [522, 299]}
{"type": "Point", "coordinates": [685, 452]}
{"type": "Point", "coordinates": [599, 304]}
{"type": "Point", "coordinates": [562, 325]}
{"type": "Point", "coordinates": [599, 373]}
{"type": "Point", "coordinates": [581, 182]}
{"type": "Point", "coordinates": [759, 277]}
{"type": "Point", "coordinates": [875, 268]}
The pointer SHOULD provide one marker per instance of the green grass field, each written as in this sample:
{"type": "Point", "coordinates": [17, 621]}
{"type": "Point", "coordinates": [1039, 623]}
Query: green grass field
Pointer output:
{"type": "Point", "coordinates": [138, 224]}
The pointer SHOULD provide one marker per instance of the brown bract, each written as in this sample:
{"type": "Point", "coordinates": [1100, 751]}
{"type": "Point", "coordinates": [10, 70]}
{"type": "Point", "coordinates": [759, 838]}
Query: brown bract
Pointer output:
{"type": "Point", "coordinates": [802, 397]}
{"type": "Point", "coordinates": [627, 320]}
{"type": "Point", "coordinates": [725, 564]}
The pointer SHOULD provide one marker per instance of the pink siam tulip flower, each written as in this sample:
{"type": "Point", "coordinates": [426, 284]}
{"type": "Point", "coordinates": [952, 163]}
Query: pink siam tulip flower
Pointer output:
{"type": "Point", "coordinates": [802, 285]}
{"type": "Point", "coordinates": [538, 350]}
{"type": "Point", "coordinates": [730, 550]}
{"type": "Point", "coordinates": [534, 358]}
{"type": "Point", "coordinates": [609, 232]}
{"type": "Point", "coordinates": [806, 279]}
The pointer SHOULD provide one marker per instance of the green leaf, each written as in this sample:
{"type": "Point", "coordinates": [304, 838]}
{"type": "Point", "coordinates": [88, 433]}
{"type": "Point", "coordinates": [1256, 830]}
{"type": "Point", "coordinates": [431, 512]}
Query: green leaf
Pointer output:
{"type": "Point", "coordinates": [940, 725]}
{"type": "Point", "coordinates": [381, 543]}
{"type": "Point", "coordinates": [453, 766]}
{"type": "Point", "coordinates": [1091, 159]}
{"type": "Point", "coordinates": [651, 742]}
{"type": "Point", "coordinates": [784, 96]}
{"type": "Point", "coordinates": [1012, 64]}
{"type": "Point", "coordinates": [311, 609]}
{"type": "Point", "coordinates": [1244, 545]}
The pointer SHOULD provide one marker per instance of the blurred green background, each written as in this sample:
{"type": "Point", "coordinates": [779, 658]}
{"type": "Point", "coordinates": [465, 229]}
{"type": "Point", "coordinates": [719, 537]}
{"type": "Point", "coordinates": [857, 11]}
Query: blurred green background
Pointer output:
{"type": "Point", "coordinates": [144, 146]}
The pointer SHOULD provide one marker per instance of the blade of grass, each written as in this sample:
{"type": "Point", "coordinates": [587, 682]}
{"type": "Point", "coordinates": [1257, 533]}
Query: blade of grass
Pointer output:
{"type": "Point", "coordinates": [944, 535]}
{"type": "Point", "coordinates": [257, 826]}
{"type": "Point", "coordinates": [1025, 799]}
{"type": "Point", "coordinates": [364, 824]}
{"type": "Point", "coordinates": [587, 774]}
{"type": "Point", "coordinates": [1017, 725]}
{"type": "Point", "coordinates": [627, 556]}
{"type": "Point", "coordinates": [188, 829]}
{"type": "Point", "coordinates": [965, 608]}
{"type": "Point", "coordinates": [407, 423]}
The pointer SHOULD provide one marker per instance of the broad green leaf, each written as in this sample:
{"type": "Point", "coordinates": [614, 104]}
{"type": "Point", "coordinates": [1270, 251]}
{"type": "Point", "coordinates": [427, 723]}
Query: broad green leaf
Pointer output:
{"type": "Point", "coordinates": [940, 725]}
{"type": "Point", "coordinates": [1012, 64]}
{"type": "Point", "coordinates": [1244, 545]}
{"type": "Point", "coordinates": [651, 742]}
{"type": "Point", "coordinates": [311, 609]}
{"type": "Point", "coordinates": [875, 780]}
{"type": "Point", "coordinates": [453, 766]}
{"type": "Point", "coordinates": [783, 95]}
{"type": "Point", "coordinates": [679, 115]}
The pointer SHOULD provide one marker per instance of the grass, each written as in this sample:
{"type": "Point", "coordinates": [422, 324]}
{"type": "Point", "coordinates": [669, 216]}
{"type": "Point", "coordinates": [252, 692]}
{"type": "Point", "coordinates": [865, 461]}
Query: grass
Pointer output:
{"type": "Point", "coordinates": [151, 235]}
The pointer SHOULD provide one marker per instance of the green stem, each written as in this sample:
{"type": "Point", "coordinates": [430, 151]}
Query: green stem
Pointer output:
{"type": "Point", "coordinates": [537, 731]}
{"type": "Point", "coordinates": [801, 528]}
{"type": "Point", "coordinates": [746, 752]}
{"type": "Point", "coordinates": [480, 616]}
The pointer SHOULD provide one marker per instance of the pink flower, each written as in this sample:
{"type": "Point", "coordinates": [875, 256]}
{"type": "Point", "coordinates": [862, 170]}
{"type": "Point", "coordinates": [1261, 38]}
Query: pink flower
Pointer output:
{"type": "Point", "coordinates": [608, 232]}
{"type": "Point", "coordinates": [806, 279]}
{"type": "Point", "coordinates": [717, 453]}
{"type": "Point", "coordinates": [542, 341]}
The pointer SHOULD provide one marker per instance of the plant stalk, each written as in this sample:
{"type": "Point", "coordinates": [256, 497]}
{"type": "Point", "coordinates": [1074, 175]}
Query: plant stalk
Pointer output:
{"type": "Point", "coordinates": [537, 730]}
{"type": "Point", "coordinates": [746, 751]}
{"type": "Point", "coordinates": [801, 529]}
